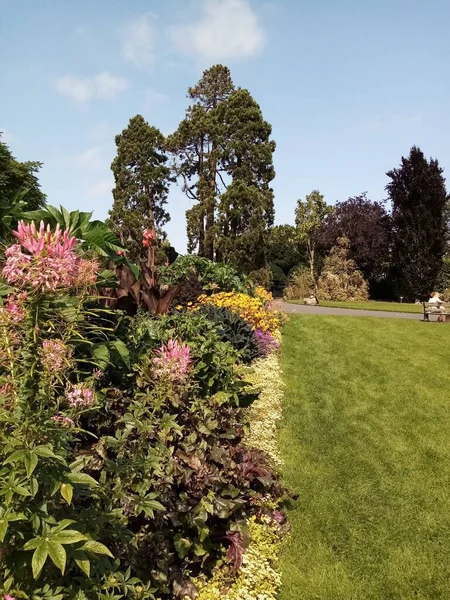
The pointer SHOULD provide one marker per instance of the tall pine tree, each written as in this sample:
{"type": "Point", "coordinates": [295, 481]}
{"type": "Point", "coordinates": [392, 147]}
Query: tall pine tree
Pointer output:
{"type": "Point", "coordinates": [224, 156]}
{"type": "Point", "coordinates": [197, 147]}
{"type": "Point", "coordinates": [142, 178]}
{"type": "Point", "coordinates": [246, 208]}
{"type": "Point", "coordinates": [419, 210]}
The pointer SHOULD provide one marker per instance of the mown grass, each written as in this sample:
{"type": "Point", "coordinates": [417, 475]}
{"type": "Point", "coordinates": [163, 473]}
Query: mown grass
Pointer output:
{"type": "Point", "coordinates": [371, 305]}
{"type": "Point", "coordinates": [366, 442]}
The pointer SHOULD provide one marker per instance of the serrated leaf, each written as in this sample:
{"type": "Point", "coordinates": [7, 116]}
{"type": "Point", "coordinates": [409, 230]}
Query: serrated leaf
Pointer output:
{"type": "Point", "coordinates": [96, 548]}
{"type": "Point", "coordinates": [82, 479]}
{"type": "Point", "coordinates": [39, 558]}
{"type": "Point", "coordinates": [31, 461]}
{"type": "Point", "coordinates": [67, 492]}
{"type": "Point", "coordinates": [68, 536]}
{"type": "Point", "coordinates": [58, 555]}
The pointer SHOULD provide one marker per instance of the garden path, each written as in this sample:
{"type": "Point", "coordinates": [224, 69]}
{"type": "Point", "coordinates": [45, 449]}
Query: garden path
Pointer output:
{"type": "Point", "coordinates": [302, 309]}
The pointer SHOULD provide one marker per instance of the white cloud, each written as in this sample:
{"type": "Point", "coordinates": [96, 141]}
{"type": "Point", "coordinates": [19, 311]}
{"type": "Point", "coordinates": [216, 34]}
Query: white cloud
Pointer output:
{"type": "Point", "coordinates": [101, 188]}
{"type": "Point", "coordinates": [81, 90]}
{"type": "Point", "coordinates": [138, 41]}
{"type": "Point", "coordinates": [227, 29]}
{"type": "Point", "coordinates": [91, 159]}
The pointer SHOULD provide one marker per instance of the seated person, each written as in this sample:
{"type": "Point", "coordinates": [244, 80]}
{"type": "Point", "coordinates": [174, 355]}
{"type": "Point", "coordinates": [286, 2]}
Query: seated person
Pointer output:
{"type": "Point", "coordinates": [435, 299]}
{"type": "Point", "coordinates": [439, 305]}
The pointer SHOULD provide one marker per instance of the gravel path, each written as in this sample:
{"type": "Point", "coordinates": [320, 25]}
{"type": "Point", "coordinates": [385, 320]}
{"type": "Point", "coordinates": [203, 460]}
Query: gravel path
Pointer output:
{"type": "Point", "coordinates": [302, 309]}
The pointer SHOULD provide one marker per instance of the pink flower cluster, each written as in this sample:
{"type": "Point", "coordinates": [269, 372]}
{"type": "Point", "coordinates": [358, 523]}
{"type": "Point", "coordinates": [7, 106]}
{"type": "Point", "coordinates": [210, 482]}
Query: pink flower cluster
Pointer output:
{"type": "Point", "coordinates": [172, 362]}
{"type": "Point", "coordinates": [14, 309]}
{"type": "Point", "coordinates": [66, 421]}
{"type": "Point", "coordinates": [49, 262]}
{"type": "Point", "coordinates": [80, 396]}
{"type": "Point", "coordinates": [54, 354]}
{"type": "Point", "coordinates": [265, 342]}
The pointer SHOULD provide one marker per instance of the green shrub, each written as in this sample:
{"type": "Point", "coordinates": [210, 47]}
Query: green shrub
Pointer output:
{"type": "Point", "coordinates": [233, 329]}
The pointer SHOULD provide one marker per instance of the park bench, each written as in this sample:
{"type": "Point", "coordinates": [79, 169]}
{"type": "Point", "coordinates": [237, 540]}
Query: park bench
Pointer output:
{"type": "Point", "coordinates": [432, 308]}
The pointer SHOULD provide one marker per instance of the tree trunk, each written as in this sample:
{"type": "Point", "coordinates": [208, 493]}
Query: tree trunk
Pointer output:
{"type": "Point", "coordinates": [311, 255]}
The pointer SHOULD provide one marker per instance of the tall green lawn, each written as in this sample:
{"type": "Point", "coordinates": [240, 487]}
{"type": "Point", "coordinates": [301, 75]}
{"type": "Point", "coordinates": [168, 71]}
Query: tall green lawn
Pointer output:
{"type": "Point", "coordinates": [366, 443]}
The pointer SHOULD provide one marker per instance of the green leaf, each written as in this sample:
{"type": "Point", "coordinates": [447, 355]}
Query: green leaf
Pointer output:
{"type": "Point", "coordinates": [31, 461]}
{"type": "Point", "coordinates": [47, 452]}
{"type": "Point", "coordinates": [3, 529]}
{"type": "Point", "coordinates": [102, 355]}
{"type": "Point", "coordinates": [68, 536]}
{"type": "Point", "coordinates": [122, 351]}
{"type": "Point", "coordinates": [32, 544]}
{"type": "Point", "coordinates": [58, 555]}
{"type": "Point", "coordinates": [84, 565]}
{"type": "Point", "coordinates": [82, 479]}
{"type": "Point", "coordinates": [34, 486]}
{"type": "Point", "coordinates": [22, 491]}
{"type": "Point", "coordinates": [96, 548]}
{"type": "Point", "coordinates": [182, 545]}
{"type": "Point", "coordinates": [67, 492]}
{"type": "Point", "coordinates": [39, 558]}
{"type": "Point", "coordinates": [14, 457]}
{"type": "Point", "coordinates": [63, 524]}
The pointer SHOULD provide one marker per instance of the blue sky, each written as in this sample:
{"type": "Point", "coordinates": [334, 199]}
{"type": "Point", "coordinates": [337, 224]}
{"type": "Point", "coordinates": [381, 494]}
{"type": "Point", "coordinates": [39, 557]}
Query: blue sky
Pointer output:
{"type": "Point", "coordinates": [348, 86]}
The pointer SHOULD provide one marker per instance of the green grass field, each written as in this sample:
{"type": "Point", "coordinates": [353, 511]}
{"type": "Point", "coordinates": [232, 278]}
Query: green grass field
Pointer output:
{"type": "Point", "coordinates": [371, 305]}
{"type": "Point", "coordinates": [366, 442]}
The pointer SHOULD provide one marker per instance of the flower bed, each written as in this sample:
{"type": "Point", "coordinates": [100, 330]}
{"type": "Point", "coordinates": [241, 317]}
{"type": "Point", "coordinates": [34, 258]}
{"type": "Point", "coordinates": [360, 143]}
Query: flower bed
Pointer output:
{"type": "Point", "coordinates": [139, 453]}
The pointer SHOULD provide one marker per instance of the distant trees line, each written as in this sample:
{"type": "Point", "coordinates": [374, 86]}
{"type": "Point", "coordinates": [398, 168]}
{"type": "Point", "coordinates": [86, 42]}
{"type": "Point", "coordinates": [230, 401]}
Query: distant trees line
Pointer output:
{"type": "Point", "coordinates": [222, 154]}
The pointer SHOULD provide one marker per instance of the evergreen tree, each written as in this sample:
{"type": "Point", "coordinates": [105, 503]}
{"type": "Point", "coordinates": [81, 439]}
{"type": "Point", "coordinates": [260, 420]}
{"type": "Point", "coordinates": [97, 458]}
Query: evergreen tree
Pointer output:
{"type": "Point", "coordinates": [419, 212]}
{"type": "Point", "coordinates": [224, 156]}
{"type": "Point", "coordinates": [246, 208]}
{"type": "Point", "coordinates": [19, 178]}
{"type": "Point", "coordinates": [197, 147]}
{"type": "Point", "coordinates": [142, 179]}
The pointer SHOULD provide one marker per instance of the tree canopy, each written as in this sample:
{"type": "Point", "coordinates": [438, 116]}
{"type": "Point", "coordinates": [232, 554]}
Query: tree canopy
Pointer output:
{"type": "Point", "coordinates": [309, 217]}
{"type": "Point", "coordinates": [223, 154]}
{"type": "Point", "coordinates": [419, 213]}
{"type": "Point", "coordinates": [367, 226]}
{"type": "Point", "coordinates": [142, 178]}
{"type": "Point", "coordinates": [19, 179]}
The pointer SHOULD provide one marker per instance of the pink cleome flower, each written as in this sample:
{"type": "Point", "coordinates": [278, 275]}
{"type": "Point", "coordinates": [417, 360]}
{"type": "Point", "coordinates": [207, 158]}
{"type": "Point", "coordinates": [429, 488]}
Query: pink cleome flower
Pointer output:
{"type": "Point", "coordinates": [80, 396]}
{"type": "Point", "coordinates": [54, 354]}
{"type": "Point", "coordinates": [66, 421]}
{"type": "Point", "coordinates": [172, 361]}
{"type": "Point", "coordinates": [49, 262]}
{"type": "Point", "coordinates": [9, 597]}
